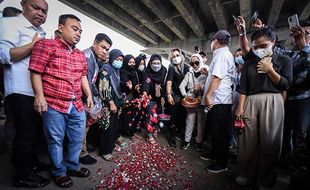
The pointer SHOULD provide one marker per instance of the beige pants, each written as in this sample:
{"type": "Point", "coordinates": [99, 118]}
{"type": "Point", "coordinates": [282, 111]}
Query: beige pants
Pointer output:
{"type": "Point", "coordinates": [260, 141]}
{"type": "Point", "coordinates": [84, 149]}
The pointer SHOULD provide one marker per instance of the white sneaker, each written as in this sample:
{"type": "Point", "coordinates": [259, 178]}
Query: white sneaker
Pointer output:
{"type": "Point", "coordinates": [242, 180]}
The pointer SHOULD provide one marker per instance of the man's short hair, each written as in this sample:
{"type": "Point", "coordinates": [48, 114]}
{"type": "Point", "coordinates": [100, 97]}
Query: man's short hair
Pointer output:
{"type": "Point", "coordinates": [62, 18]}
{"type": "Point", "coordinates": [10, 12]}
{"type": "Point", "coordinates": [101, 36]}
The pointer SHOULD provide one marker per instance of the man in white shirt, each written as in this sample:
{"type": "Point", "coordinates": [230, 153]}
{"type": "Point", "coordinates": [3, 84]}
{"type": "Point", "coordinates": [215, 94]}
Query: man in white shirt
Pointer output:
{"type": "Point", "coordinates": [17, 37]}
{"type": "Point", "coordinates": [218, 101]}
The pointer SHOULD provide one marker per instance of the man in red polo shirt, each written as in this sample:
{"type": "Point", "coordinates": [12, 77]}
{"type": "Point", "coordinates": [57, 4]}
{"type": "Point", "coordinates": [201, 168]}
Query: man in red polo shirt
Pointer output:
{"type": "Point", "coordinates": [58, 75]}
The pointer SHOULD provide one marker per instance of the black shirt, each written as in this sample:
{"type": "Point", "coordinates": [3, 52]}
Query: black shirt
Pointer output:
{"type": "Point", "coordinates": [253, 82]}
{"type": "Point", "coordinates": [176, 77]}
{"type": "Point", "coordinates": [149, 83]}
{"type": "Point", "coordinates": [133, 77]}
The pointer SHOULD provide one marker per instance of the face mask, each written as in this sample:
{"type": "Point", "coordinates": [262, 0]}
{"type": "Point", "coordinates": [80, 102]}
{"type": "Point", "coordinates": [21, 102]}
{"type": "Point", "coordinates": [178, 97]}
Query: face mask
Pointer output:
{"type": "Point", "coordinates": [131, 67]}
{"type": "Point", "coordinates": [239, 60]}
{"type": "Point", "coordinates": [117, 64]}
{"type": "Point", "coordinates": [261, 53]}
{"type": "Point", "coordinates": [156, 67]}
{"type": "Point", "coordinates": [177, 60]}
{"type": "Point", "coordinates": [212, 45]}
{"type": "Point", "coordinates": [141, 67]}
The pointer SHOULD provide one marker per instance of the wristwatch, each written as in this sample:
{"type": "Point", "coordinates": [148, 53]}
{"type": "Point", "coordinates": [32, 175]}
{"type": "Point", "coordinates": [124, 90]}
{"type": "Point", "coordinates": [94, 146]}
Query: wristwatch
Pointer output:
{"type": "Point", "coordinates": [242, 34]}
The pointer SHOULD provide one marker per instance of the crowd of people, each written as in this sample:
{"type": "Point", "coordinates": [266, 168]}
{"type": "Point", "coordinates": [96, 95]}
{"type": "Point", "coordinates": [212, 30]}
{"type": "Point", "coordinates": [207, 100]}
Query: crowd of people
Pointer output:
{"type": "Point", "coordinates": [256, 100]}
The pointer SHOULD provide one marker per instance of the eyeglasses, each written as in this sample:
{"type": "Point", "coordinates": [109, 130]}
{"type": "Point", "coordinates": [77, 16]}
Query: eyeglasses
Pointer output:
{"type": "Point", "coordinates": [194, 63]}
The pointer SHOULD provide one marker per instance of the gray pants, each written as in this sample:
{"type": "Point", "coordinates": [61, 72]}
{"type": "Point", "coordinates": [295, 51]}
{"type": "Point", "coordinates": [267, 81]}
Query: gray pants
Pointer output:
{"type": "Point", "coordinates": [260, 143]}
{"type": "Point", "coordinates": [190, 122]}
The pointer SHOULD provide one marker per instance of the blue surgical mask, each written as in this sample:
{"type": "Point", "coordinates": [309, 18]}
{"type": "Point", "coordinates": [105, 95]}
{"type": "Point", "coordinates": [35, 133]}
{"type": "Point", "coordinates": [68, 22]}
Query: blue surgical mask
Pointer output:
{"type": "Point", "coordinates": [156, 67]}
{"type": "Point", "coordinates": [239, 60]}
{"type": "Point", "coordinates": [117, 64]}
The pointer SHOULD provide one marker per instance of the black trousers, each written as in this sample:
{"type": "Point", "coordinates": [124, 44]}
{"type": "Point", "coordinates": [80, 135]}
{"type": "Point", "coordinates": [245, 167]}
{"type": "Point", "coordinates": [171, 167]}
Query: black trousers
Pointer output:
{"type": "Point", "coordinates": [177, 120]}
{"type": "Point", "coordinates": [131, 120]}
{"type": "Point", "coordinates": [219, 119]}
{"type": "Point", "coordinates": [107, 138]}
{"type": "Point", "coordinates": [27, 126]}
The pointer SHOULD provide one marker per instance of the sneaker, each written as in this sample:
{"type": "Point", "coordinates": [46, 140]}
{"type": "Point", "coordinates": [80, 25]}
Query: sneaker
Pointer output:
{"type": "Point", "coordinates": [242, 180]}
{"type": "Point", "coordinates": [32, 180]}
{"type": "Point", "coordinates": [172, 142]}
{"type": "Point", "coordinates": [184, 145]}
{"type": "Point", "coordinates": [88, 160]}
{"type": "Point", "coordinates": [216, 168]}
{"type": "Point", "coordinates": [199, 147]}
{"type": "Point", "coordinates": [207, 157]}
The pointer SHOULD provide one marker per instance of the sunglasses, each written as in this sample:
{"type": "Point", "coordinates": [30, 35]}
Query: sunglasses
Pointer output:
{"type": "Point", "coordinates": [194, 63]}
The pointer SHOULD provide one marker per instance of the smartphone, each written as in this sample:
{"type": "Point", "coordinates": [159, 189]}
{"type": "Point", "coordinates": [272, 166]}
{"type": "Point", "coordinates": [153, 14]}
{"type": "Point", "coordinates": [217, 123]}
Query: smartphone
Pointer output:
{"type": "Point", "coordinates": [235, 18]}
{"type": "Point", "coordinates": [293, 21]}
{"type": "Point", "coordinates": [254, 16]}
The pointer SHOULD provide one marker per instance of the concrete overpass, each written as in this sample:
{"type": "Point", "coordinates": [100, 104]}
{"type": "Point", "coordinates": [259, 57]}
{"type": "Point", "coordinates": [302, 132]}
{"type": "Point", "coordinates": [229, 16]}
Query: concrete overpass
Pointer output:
{"type": "Point", "coordinates": [160, 25]}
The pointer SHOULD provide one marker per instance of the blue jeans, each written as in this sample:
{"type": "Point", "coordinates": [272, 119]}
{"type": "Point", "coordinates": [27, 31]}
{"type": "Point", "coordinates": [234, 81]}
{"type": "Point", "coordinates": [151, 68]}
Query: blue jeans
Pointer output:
{"type": "Point", "coordinates": [55, 126]}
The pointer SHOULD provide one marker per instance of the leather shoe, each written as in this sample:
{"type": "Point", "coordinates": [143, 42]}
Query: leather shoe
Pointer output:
{"type": "Point", "coordinates": [32, 180]}
{"type": "Point", "coordinates": [88, 160]}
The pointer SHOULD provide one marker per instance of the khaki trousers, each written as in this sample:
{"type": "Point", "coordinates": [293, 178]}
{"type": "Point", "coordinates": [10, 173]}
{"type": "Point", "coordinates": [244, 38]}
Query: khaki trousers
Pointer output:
{"type": "Point", "coordinates": [260, 142]}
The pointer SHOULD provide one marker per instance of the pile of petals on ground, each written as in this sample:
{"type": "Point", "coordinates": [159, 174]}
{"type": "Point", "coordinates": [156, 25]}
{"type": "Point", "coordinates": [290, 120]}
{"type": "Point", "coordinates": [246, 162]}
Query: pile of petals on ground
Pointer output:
{"type": "Point", "coordinates": [145, 166]}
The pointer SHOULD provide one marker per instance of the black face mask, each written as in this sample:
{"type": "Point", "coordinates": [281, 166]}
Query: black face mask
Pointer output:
{"type": "Point", "coordinates": [131, 67]}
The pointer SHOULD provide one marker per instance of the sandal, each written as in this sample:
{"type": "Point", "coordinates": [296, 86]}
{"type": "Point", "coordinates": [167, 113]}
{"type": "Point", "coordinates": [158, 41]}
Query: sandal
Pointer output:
{"type": "Point", "coordinates": [138, 137]}
{"type": "Point", "coordinates": [117, 148]}
{"type": "Point", "coordinates": [152, 141]}
{"type": "Point", "coordinates": [120, 141]}
{"type": "Point", "coordinates": [155, 135]}
{"type": "Point", "coordinates": [81, 173]}
{"type": "Point", "coordinates": [63, 181]}
{"type": "Point", "coordinates": [134, 139]}
{"type": "Point", "coordinates": [108, 157]}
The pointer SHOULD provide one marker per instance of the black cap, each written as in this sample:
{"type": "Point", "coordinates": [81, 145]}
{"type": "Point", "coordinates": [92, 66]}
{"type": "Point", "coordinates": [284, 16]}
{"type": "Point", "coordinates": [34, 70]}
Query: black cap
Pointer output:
{"type": "Point", "coordinates": [222, 35]}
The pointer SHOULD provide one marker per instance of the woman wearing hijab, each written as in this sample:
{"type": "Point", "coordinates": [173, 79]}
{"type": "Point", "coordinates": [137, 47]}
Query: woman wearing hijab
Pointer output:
{"type": "Point", "coordinates": [110, 93]}
{"type": "Point", "coordinates": [154, 86]}
{"type": "Point", "coordinates": [192, 86]}
{"type": "Point", "coordinates": [130, 86]}
{"type": "Point", "coordinates": [140, 66]}
{"type": "Point", "coordinates": [176, 73]}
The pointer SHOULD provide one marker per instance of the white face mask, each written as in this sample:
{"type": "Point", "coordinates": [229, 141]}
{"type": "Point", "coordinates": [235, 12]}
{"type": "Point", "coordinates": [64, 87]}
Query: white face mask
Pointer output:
{"type": "Point", "coordinates": [261, 53]}
{"type": "Point", "coordinates": [177, 60]}
{"type": "Point", "coordinates": [141, 67]}
{"type": "Point", "coordinates": [211, 46]}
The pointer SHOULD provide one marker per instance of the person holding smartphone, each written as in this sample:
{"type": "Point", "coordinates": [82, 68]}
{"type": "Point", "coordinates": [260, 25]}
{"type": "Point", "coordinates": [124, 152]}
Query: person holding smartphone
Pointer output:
{"type": "Point", "coordinates": [265, 75]}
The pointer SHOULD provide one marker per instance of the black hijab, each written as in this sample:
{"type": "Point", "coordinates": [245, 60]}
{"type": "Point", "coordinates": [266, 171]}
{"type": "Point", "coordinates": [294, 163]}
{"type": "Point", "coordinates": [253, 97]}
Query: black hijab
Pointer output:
{"type": "Point", "coordinates": [126, 68]}
{"type": "Point", "coordinates": [159, 76]}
